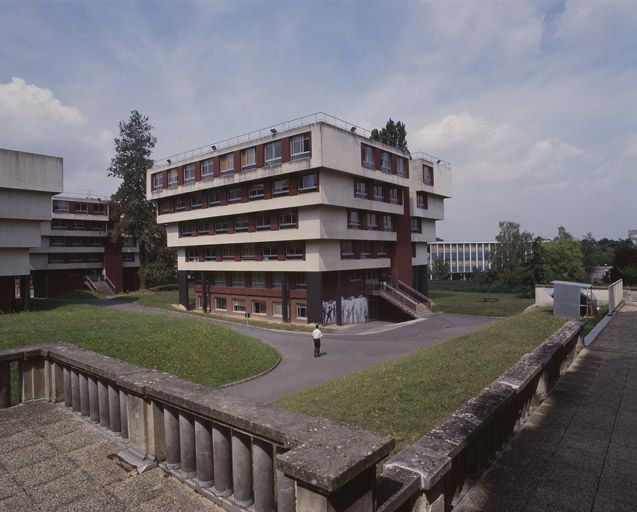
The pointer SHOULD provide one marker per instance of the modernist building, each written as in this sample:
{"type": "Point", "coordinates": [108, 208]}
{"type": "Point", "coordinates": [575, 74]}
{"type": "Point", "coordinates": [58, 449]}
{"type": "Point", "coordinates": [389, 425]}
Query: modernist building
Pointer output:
{"type": "Point", "coordinates": [27, 182]}
{"type": "Point", "coordinates": [463, 257]}
{"type": "Point", "coordinates": [308, 221]}
{"type": "Point", "coordinates": [76, 251]}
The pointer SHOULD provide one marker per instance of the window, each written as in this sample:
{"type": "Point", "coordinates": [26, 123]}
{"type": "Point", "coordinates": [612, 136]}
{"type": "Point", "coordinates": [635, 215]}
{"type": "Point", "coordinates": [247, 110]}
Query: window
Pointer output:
{"type": "Point", "coordinates": [355, 275]}
{"type": "Point", "coordinates": [258, 280]}
{"type": "Point", "coordinates": [58, 224]}
{"type": "Point", "coordinates": [262, 221]}
{"type": "Point", "coordinates": [379, 195]}
{"type": "Point", "coordinates": [360, 189]}
{"type": "Point", "coordinates": [301, 310]}
{"type": "Point", "coordinates": [270, 252]}
{"type": "Point", "coordinates": [256, 191]}
{"type": "Point", "coordinates": [422, 201]}
{"type": "Point", "coordinates": [400, 166]}
{"type": "Point", "coordinates": [281, 187]}
{"type": "Point", "coordinates": [241, 223]}
{"type": "Point", "coordinates": [249, 159]}
{"type": "Point", "coordinates": [381, 249]}
{"type": "Point", "coordinates": [57, 241]}
{"type": "Point", "coordinates": [277, 280]}
{"type": "Point", "coordinates": [80, 208]}
{"type": "Point", "coordinates": [308, 182]}
{"type": "Point", "coordinates": [60, 207]}
{"type": "Point", "coordinates": [221, 226]}
{"type": "Point", "coordinates": [206, 169]}
{"type": "Point", "coordinates": [227, 252]}
{"type": "Point", "coordinates": [158, 181]}
{"type": "Point", "coordinates": [354, 220]}
{"type": "Point", "coordinates": [214, 197]}
{"type": "Point", "coordinates": [202, 227]}
{"type": "Point", "coordinates": [347, 249]}
{"type": "Point", "coordinates": [164, 206]}
{"type": "Point", "coordinates": [195, 201]}
{"type": "Point", "coordinates": [393, 196]}
{"type": "Point", "coordinates": [226, 164]}
{"type": "Point", "coordinates": [99, 209]}
{"type": "Point", "coordinates": [56, 258]}
{"type": "Point", "coordinates": [287, 219]}
{"type": "Point", "coordinates": [368, 156]}
{"type": "Point", "coordinates": [185, 229]}
{"type": "Point", "coordinates": [126, 256]}
{"type": "Point", "coordinates": [388, 223]}
{"type": "Point", "coordinates": [239, 305]}
{"type": "Point", "coordinates": [172, 178]}
{"type": "Point", "coordinates": [237, 279]}
{"type": "Point", "coordinates": [209, 254]}
{"type": "Point", "coordinates": [366, 249]}
{"type": "Point", "coordinates": [372, 222]}
{"type": "Point", "coordinates": [78, 241]}
{"type": "Point", "coordinates": [76, 258]}
{"type": "Point", "coordinates": [416, 226]}
{"type": "Point", "coordinates": [300, 281]}
{"type": "Point", "coordinates": [273, 153]}
{"type": "Point", "coordinates": [428, 175]}
{"type": "Point", "coordinates": [295, 250]}
{"type": "Point", "coordinates": [300, 146]}
{"type": "Point", "coordinates": [258, 307]}
{"type": "Point", "coordinates": [219, 279]}
{"type": "Point", "coordinates": [385, 162]}
{"type": "Point", "coordinates": [277, 308]}
{"type": "Point", "coordinates": [234, 195]}
{"type": "Point", "coordinates": [247, 252]}
{"type": "Point", "coordinates": [191, 254]}
{"type": "Point", "coordinates": [189, 173]}
{"type": "Point", "coordinates": [180, 204]}
{"type": "Point", "coordinates": [220, 303]}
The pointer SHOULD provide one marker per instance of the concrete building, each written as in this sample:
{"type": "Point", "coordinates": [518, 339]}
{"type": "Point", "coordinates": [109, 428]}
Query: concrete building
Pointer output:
{"type": "Point", "coordinates": [76, 251]}
{"type": "Point", "coordinates": [307, 221]}
{"type": "Point", "coordinates": [463, 257]}
{"type": "Point", "coordinates": [27, 182]}
{"type": "Point", "coordinates": [632, 236]}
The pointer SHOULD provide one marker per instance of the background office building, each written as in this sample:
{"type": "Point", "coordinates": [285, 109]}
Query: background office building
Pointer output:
{"type": "Point", "coordinates": [308, 221]}
{"type": "Point", "coordinates": [462, 257]}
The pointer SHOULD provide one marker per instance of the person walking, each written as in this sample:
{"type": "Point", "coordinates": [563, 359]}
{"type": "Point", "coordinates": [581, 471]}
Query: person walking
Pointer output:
{"type": "Point", "coordinates": [316, 336]}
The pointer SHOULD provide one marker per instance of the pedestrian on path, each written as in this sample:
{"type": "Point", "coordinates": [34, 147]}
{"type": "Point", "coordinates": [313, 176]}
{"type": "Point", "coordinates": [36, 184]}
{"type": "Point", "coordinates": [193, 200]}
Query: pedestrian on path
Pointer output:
{"type": "Point", "coordinates": [316, 336]}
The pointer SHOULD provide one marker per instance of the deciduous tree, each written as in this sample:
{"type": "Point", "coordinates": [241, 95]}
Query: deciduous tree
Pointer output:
{"type": "Point", "coordinates": [393, 134]}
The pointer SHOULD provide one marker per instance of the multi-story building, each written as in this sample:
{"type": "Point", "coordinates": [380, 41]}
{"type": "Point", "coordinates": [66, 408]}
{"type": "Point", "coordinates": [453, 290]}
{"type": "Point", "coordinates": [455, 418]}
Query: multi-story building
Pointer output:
{"type": "Point", "coordinates": [76, 250]}
{"type": "Point", "coordinates": [462, 257]}
{"type": "Point", "coordinates": [27, 182]}
{"type": "Point", "coordinates": [307, 221]}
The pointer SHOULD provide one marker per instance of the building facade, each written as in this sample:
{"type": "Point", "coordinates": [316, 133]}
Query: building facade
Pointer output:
{"type": "Point", "coordinates": [299, 221]}
{"type": "Point", "coordinates": [27, 182]}
{"type": "Point", "coordinates": [462, 257]}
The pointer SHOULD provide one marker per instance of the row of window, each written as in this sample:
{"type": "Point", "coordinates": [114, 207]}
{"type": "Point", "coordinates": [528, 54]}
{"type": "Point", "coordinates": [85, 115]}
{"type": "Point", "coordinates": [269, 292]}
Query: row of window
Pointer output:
{"type": "Point", "coordinates": [299, 147]}
{"type": "Point", "coordinates": [357, 219]}
{"type": "Point", "coordinates": [364, 249]}
{"type": "Point", "coordinates": [384, 161]}
{"type": "Point", "coordinates": [377, 192]}
{"type": "Point", "coordinates": [76, 258]}
{"type": "Point", "coordinates": [292, 250]}
{"type": "Point", "coordinates": [283, 219]}
{"type": "Point", "coordinates": [78, 225]}
{"type": "Point", "coordinates": [75, 241]}
{"type": "Point", "coordinates": [255, 307]}
{"type": "Point", "coordinates": [79, 208]}
{"type": "Point", "coordinates": [296, 281]}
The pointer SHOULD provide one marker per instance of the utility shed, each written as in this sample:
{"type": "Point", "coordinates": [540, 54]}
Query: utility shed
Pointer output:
{"type": "Point", "coordinates": [572, 300]}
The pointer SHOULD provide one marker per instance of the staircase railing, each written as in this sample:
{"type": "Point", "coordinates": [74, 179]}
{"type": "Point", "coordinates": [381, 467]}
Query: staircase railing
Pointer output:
{"type": "Point", "coordinates": [88, 282]}
{"type": "Point", "coordinates": [413, 293]}
{"type": "Point", "coordinates": [110, 283]}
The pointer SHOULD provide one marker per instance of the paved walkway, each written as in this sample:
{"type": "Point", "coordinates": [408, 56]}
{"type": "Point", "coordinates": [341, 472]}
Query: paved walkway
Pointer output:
{"type": "Point", "coordinates": [52, 460]}
{"type": "Point", "coordinates": [578, 452]}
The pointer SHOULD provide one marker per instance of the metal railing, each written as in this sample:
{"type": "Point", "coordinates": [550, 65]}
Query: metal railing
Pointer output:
{"type": "Point", "coordinates": [615, 295]}
{"type": "Point", "coordinates": [430, 158]}
{"type": "Point", "coordinates": [413, 293]}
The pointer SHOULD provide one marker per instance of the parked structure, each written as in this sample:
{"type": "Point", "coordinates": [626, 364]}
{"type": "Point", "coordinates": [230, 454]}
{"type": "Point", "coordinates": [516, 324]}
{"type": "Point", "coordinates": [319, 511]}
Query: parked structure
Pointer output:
{"type": "Point", "coordinates": [307, 221]}
{"type": "Point", "coordinates": [463, 257]}
{"type": "Point", "coordinates": [27, 182]}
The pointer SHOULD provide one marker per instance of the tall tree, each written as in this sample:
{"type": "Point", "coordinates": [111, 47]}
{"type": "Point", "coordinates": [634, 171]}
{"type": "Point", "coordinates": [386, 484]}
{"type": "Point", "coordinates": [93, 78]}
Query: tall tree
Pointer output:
{"type": "Point", "coordinates": [563, 260]}
{"type": "Point", "coordinates": [509, 261]}
{"type": "Point", "coordinates": [137, 214]}
{"type": "Point", "coordinates": [393, 134]}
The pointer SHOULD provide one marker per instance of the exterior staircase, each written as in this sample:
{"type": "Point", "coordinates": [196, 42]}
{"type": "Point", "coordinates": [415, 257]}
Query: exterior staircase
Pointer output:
{"type": "Point", "coordinates": [105, 287]}
{"type": "Point", "coordinates": [403, 296]}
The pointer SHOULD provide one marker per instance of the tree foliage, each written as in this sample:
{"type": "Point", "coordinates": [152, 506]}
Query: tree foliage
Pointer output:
{"type": "Point", "coordinates": [563, 260]}
{"type": "Point", "coordinates": [393, 134]}
{"type": "Point", "coordinates": [440, 269]}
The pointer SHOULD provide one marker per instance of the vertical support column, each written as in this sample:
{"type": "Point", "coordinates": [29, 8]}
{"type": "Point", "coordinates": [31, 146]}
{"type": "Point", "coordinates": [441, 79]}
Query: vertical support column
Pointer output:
{"type": "Point", "coordinates": [48, 380]}
{"type": "Point", "coordinates": [67, 387]}
{"type": "Point", "coordinates": [182, 281]}
{"type": "Point", "coordinates": [339, 301]}
{"type": "Point", "coordinates": [84, 397]}
{"type": "Point", "coordinates": [203, 449]}
{"type": "Point", "coordinates": [57, 378]}
{"type": "Point", "coordinates": [204, 292]}
{"type": "Point", "coordinates": [356, 495]}
{"type": "Point", "coordinates": [102, 398]}
{"type": "Point", "coordinates": [25, 292]}
{"type": "Point", "coordinates": [263, 475]}
{"type": "Point", "coordinates": [26, 380]}
{"type": "Point", "coordinates": [171, 430]}
{"type": "Point", "coordinates": [285, 297]}
{"type": "Point", "coordinates": [286, 493]}
{"type": "Point", "coordinates": [39, 379]}
{"type": "Point", "coordinates": [242, 469]}
{"type": "Point", "coordinates": [315, 297]}
{"type": "Point", "coordinates": [187, 446]}
{"type": "Point", "coordinates": [5, 384]}
{"type": "Point", "coordinates": [123, 413]}
{"type": "Point", "coordinates": [114, 410]}
{"type": "Point", "coordinates": [93, 400]}
{"type": "Point", "coordinates": [222, 460]}
{"type": "Point", "coordinates": [75, 390]}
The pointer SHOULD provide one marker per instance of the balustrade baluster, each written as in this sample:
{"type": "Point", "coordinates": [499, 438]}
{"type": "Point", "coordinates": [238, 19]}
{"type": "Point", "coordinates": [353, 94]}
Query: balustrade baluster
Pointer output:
{"type": "Point", "coordinates": [67, 387]}
{"type": "Point", "coordinates": [102, 398]}
{"type": "Point", "coordinates": [187, 446]}
{"type": "Point", "coordinates": [222, 460]}
{"type": "Point", "coordinates": [203, 449]}
{"type": "Point", "coordinates": [93, 399]}
{"type": "Point", "coordinates": [115, 421]}
{"type": "Point", "coordinates": [84, 396]}
{"type": "Point", "coordinates": [171, 431]}
{"type": "Point", "coordinates": [263, 475]}
{"type": "Point", "coordinates": [242, 469]}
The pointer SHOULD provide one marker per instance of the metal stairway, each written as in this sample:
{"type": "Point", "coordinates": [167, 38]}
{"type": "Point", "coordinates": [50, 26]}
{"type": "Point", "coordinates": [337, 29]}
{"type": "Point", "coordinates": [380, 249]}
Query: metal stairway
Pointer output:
{"type": "Point", "coordinates": [105, 287]}
{"type": "Point", "coordinates": [402, 296]}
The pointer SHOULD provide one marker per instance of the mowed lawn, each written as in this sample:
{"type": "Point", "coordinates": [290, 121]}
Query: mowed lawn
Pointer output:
{"type": "Point", "coordinates": [189, 348]}
{"type": "Point", "coordinates": [408, 396]}
{"type": "Point", "coordinates": [478, 303]}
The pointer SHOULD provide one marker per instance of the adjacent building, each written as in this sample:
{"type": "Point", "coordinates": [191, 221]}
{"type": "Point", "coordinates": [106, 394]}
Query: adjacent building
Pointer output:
{"type": "Point", "coordinates": [307, 221]}
{"type": "Point", "coordinates": [462, 257]}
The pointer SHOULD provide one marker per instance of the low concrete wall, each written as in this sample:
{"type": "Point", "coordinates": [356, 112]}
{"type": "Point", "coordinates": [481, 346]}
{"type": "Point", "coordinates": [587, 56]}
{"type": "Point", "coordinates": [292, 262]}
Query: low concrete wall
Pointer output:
{"type": "Point", "coordinates": [544, 299]}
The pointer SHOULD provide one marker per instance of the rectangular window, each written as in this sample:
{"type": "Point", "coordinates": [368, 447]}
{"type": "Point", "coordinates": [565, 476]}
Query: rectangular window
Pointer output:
{"type": "Point", "coordinates": [379, 194]}
{"type": "Point", "coordinates": [300, 281]}
{"type": "Point", "coordinates": [388, 223]}
{"type": "Point", "coordinates": [248, 159]}
{"type": "Point", "coordinates": [78, 241]}
{"type": "Point", "coordinates": [385, 162]}
{"type": "Point", "coordinates": [189, 173]}
{"type": "Point", "coordinates": [262, 221]}
{"type": "Point", "coordinates": [258, 307]}
{"type": "Point", "coordinates": [366, 249]}
{"type": "Point", "coordinates": [56, 258]}
{"type": "Point", "coordinates": [238, 280]}
{"type": "Point", "coordinates": [180, 204]}
{"type": "Point", "coordinates": [164, 206]}
{"type": "Point", "coordinates": [80, 208]}
{"type": "Point", "coordinates": [381, 249]}
{"type": "Point", "coordinates": [258, 280]}
{"type": "Point", "coordinates": [195, 201]}
{"type": "Point", "coordinates": [158, 181]}
{"type": "Point", "coordinates": [57, 241]}
{"type": "Point", "coordinates": [273, 153]}
{"type": "Point", "coordinates": [60, 207]}
{"type": "Point", "coordinates": [214, 197]}
{"type": "Point", "coordinates": [191, 254]}
{"type": "Point", "coordinates": [226, 164]}
{"type": "Point", "coordinates": [221, 303]}
{"type": "Point", "coordinates": [241, 223]}
{"type": "Point", "coordinates": [360, 189]}
{"type": "Point", "coordinates": [295, 250]}
{"type": "Point", "coordinates": [207, 169]}
{"type": "Point", "coordinates": [277, 308]}
{"type": "Point", "coordinates": [202, 227]}
{"type": "Point", "coordinates": [368, 156]}
{"type": "Point", "coordinates": [221, 226]}
{"type": "Point", "coordinates": [172, 178]}
{"type": "Point", "coordinates": [58, 224]}
{"type": "Point", "coordinates": [281, 187]}
{"type": "Point", "coordinates": [416, 226]}
{"type": "Point", "coordinates": [219, 279]}
{"type": "Point", "coordinates": [354, 220]}
{"type": "Point", "coordinates": [372, 221]}
{"type": "Point", "coordinates": [99, 209]}
{"type": "Point", "coordinates": [247, 252]}
{"type": "Point", "coordinates": [256, 191]}
{"type": "Point", "coordinates": [422, 201]}
{"type": "Point", "coordinates": [270, 252]}
{"type": "Point", "coordinates": [185, 229]}
{"type": "Point", "coordinates": [428, 175]}
{"type": "Point", "coordinates": [355, 275]}
{"type": "Point", "coordinates": [287, 219]}
{"type": "Point", "coordinates": [400, 167]}
{"type": "Point", "coordinates": [301, 310]}
{"type": "Point", "coordinates": [209, 255]}
{"type": "Point", "coordinates": [277, 280]}
{"type": "Point", "coordinates": [394, 196]}
{"type": "Point", "coordinates": [234, 194]}
{"type": "Point", "coordinates": [308, 183]}
{"type": "Point", "coordinates": [347, 249]}
{"type": "Point", "coordinates": [227, 252]}
{"type": "Point", "coordinates": [300, 146]}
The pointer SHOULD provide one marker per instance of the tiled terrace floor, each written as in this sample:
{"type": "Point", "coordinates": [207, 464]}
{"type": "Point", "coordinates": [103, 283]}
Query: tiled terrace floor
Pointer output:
{"type": "Point", "coordinates": [52, 460]}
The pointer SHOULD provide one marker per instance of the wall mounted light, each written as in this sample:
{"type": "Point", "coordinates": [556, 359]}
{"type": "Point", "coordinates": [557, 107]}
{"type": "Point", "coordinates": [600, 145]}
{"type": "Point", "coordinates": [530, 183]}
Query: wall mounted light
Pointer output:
{"type": "Point", "coordinates": [273, 131]}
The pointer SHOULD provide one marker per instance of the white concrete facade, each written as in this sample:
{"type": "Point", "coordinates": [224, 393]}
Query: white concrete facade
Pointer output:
{"type": "Point", "coordinates": [463, 257]}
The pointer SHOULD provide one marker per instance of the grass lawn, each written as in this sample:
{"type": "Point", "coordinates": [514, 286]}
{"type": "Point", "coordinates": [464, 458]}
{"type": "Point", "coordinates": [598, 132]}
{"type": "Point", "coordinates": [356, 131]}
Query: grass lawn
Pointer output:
{"type": "Point", "coordinates": [408, 396]}
{"type": "Point", "coordinates": [478, 303]}
{"type": "Point", "coordinates": [193, 350]}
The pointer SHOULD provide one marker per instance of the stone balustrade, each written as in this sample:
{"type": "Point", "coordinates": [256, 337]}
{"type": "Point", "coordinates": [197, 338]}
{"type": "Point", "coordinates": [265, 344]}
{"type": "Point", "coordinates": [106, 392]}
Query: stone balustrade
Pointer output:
{"type": "Point", "coordinates": [238, 453]}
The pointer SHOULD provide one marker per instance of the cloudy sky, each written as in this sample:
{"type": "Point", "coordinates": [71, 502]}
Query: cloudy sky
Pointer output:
{"type": "Point", "coordinates": [533, 103]}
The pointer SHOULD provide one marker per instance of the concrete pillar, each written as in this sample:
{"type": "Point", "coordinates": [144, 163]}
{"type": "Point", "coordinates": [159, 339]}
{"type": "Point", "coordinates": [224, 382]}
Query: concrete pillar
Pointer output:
{"type": "Point", "coordinates": [102, 399]}
{"type": "Point", "coordinates": [123, 413]}
{"type": "Point", "coordinates": [339, 302]}
{"type": "Point", "coordinates": [26, 380]}
{"type": "Point", "coordinates": [285, 297]}
{"type": "Point", "coordinates": [203, 449]}
{"type": "Point", "coordinates": [242, 470]}
{"type": "Point", "coordinates": [84, 398]}
{"type": "Point", "coordinates": [187, 446]}
{"type": "Point", "coordinates": [57, 377]}
{"type": "Point", "coordinates": [263, 475]}
{"type": "Point", "coordinates": [314, 297]}
{"type": "Point", "coordinates": [93, 400]}
{"type": "Point", "coordinates": [286, 493]}
{"type": "Point", "coordinates": [171, 430]}
{"type": "Point", "coordinates": [75, 390]}
{"type": "Point", "coordinates": [5, 384]}
{"type": "Point", "coordinates": [39, 379]}
{"type": "Point", "coordinates": [114, 410]}
{"type": "Point", "coordinates": [182, 281]}
{"type": "Point", "coordinates": [357, 495]}
{"type": "Point", "coordinates": [48, 380]}
{"type": "Point", "coordinates": [222, 460]}
{"type": "Point", "coordinates": [67, 387]}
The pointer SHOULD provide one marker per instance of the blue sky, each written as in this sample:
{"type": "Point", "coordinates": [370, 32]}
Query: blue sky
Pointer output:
{"type": "Point", "coordinates": [533, 103]}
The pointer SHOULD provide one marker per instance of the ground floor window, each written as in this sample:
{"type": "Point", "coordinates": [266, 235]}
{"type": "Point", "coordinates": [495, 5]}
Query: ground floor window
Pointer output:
{"type": "Point", "coordinates": [277, 308]}
{"type": "Point", "coordinates": [239, 305]}
{"type": "Point", "coordinates": [301, 310]}
{"type": "Point", "coordinates": [258, 307]}
{"type": "Point", "coordinates": [221, 304]}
